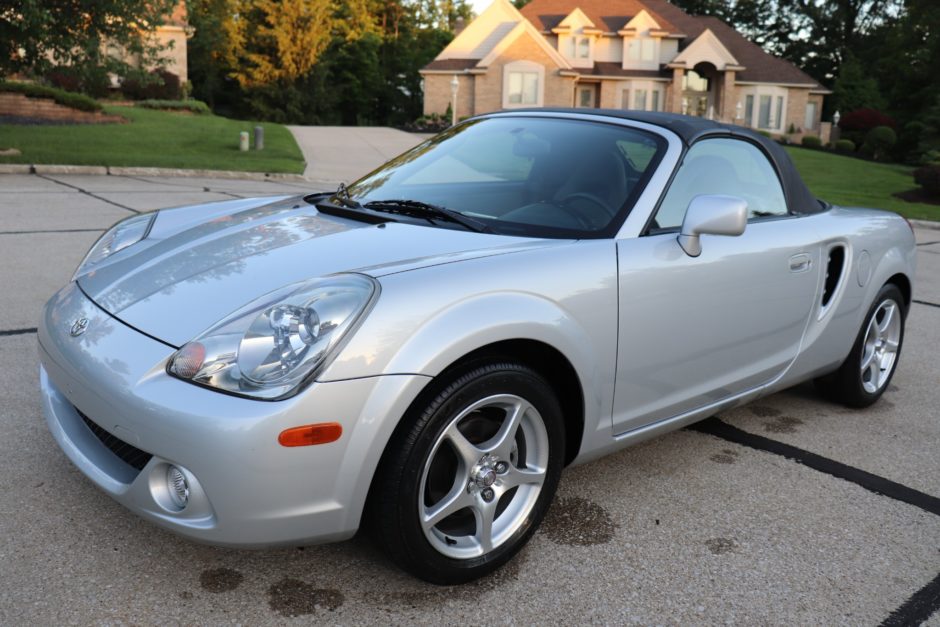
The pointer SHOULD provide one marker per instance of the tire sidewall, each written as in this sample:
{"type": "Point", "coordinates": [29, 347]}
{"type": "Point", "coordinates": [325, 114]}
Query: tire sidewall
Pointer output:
{"type": "Point", "coordinates": [851, 375]}
{"type": "Point", "coordinates": [478, 383]}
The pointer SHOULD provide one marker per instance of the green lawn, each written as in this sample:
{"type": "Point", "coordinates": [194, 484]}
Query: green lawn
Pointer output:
{"type": "Point", "coordinates": [154, 139]}
{"type": "Point", "coordinates": [856, 183]}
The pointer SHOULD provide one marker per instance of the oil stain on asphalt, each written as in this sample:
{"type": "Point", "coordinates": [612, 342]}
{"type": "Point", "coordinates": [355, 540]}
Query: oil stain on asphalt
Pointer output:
{"type": "Point", "coordinates": [575, 521]}
{"type": "Point", "coordinates": [764, 411]}
{"type": "Point", "coordinates": [720, 546]}
{"type": "Point", "coordinates": [783, 424]}
{"type": "Point", "coordinates": [292, 597]}
{"type": "Point", "coordinates": [220, 579]}
{"type": "Point", "coordinates": [726, 456]}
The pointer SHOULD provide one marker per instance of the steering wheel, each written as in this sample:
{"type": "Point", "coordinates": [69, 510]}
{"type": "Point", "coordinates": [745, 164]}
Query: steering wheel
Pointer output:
{"type": "Point", "coordinates": [580, 215]}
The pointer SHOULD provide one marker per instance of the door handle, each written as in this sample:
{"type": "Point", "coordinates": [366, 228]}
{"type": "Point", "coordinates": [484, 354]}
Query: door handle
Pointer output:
{"type": "Point", "coordinates": [801, 262]}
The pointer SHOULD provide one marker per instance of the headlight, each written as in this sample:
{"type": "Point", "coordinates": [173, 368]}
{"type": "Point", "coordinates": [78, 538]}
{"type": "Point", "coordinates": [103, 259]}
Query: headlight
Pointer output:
{"type": "Point", "coordinates": [118, 237]}
{"type": "Point", "coordinates": [273, 345]}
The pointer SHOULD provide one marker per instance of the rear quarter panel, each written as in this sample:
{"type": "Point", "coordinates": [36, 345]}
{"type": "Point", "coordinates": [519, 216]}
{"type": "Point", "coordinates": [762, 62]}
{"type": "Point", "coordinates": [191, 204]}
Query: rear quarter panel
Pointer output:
{"type": "Point", "coordinates": [878, 245]}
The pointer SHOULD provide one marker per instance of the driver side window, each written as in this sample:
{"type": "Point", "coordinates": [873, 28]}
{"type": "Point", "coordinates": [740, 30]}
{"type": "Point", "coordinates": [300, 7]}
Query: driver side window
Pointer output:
{"type": "Point", "coordinates": [730, 167]}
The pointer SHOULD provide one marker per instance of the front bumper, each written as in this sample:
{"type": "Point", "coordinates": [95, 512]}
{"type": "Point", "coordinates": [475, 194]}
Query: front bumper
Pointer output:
{"type": "Point", "coordinates": [245, 489]}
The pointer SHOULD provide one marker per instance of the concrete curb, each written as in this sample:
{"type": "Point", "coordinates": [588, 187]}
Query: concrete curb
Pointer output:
{"type": "Point", "coordinates": [926, 224]}
{"type": "Point", "coordinates": [101, 170]}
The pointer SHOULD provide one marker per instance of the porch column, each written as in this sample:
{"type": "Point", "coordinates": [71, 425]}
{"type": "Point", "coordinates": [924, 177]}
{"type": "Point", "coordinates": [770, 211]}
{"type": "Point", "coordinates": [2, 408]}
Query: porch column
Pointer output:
{"type": "Point", "coordinates": [728, 100]}
{"type": "Point", "coordinates": [674, 93]}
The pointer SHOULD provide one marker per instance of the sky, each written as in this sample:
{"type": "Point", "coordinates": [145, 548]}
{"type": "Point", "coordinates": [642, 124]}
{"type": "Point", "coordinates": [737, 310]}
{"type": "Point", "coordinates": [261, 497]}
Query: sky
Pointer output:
{"type": "Point", "coordinates": [479, 5]}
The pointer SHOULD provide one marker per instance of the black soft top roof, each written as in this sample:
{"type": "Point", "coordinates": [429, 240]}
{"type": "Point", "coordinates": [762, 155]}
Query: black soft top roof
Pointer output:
{"type": "Point", "coordinates": [689, 129]}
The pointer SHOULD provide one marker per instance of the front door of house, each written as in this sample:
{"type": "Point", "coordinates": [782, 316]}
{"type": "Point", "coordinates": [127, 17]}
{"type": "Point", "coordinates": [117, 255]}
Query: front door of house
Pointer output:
{"type": "Point", "coordinates": [586, 96]}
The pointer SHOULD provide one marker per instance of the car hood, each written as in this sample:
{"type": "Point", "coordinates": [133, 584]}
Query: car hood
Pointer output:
{"type": "Point", "coordinates": [196, 267]}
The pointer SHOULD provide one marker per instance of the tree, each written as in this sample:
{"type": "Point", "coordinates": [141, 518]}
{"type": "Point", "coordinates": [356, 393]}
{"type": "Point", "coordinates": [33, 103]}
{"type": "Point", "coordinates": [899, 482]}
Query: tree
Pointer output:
{"type": "Point", "coordinates": [855, 88]}
{"type": "Point", "coordinates": [36, 35]}
{"type": "Point", "coordinates": [278, 41]}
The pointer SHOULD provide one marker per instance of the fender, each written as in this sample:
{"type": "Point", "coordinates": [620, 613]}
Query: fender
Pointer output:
{"type": "Point", "coordinates": [442, 341]}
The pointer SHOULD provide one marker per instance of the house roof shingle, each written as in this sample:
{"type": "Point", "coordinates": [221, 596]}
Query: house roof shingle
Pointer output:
{"type": "Point", "coordinates": [610, 15]}
{"type": "Point", "coordinates": [761, 66]}
{"type": "Point", "coordinates": [451, 65]}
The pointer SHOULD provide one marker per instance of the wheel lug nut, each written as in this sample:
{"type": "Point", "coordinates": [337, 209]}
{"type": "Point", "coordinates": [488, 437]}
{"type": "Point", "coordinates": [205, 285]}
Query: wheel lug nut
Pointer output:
{"type": "Point", "coordinates": [502, 467]}
{"type": "Point", "coordinates": [488, 494]}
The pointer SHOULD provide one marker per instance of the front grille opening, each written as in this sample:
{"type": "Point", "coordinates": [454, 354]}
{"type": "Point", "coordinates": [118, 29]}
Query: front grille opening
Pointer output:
{"type": "Point", "coordinates": [127, 453]}
{"type": "Point", "coordinates": [833, 273]}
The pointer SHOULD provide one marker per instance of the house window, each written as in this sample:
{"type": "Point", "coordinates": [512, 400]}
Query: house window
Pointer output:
{"type": "Point", "coordinates": [643, 96]}
{"type": "Point", "coordinates": [584, 48]}
{"type": "Point", "coordinates": [763, 117]}
{"type": "Point", "coordinates": [642, 49]}
{"type": "Point", "coordinates": [639, 99]}
{"type": "Point", "coordinates": [749, 111]}
{"type": "Point", "coordinates": [523, 84]}
{"type": "Point", "coordinates": [810, 122]}
{"type": "Point", "coordinates": [523, 88]}
{"type": "Point", "coordinates": [778, 121]}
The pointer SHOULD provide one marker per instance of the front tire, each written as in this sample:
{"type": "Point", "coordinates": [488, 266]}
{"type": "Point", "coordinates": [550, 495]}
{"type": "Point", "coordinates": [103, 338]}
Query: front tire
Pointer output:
{"type": "Point", "coordinates": [866, 372]}
{"type": "Point", "coordinates": [469, 476]}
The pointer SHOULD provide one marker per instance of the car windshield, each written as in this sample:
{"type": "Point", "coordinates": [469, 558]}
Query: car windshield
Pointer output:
{"type": "Point", "coordinates": [544, 177]}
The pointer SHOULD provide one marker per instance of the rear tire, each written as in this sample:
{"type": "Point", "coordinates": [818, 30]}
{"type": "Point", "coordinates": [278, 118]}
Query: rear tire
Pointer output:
{"type": "Point", "coordinates": [866, 373]}
{"type": "Point", "coordinates": [468, 477]}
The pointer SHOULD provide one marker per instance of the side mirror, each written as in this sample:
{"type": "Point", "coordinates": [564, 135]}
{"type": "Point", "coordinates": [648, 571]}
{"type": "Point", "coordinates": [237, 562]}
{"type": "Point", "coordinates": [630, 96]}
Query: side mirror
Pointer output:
{"type": "Point", "coordinates": [711, 215]}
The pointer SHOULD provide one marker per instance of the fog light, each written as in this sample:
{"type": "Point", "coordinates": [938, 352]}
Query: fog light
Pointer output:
{"type": "Point", "coordinates": [177, 486]}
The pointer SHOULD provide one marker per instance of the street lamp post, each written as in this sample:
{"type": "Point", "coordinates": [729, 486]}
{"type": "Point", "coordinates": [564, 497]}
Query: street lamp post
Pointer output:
{"type": "Point", "coordinates": [454, 86]}
{"type": "Point", "coordinates": [836, 133]}
{"type": "Point", "coordinates": [737, 112]}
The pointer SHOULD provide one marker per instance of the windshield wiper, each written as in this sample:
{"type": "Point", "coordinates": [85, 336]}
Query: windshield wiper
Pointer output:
{"type": "Point", "coordinates": [419, 209]}
{"type": "Point", "coordinates": [342, 196]}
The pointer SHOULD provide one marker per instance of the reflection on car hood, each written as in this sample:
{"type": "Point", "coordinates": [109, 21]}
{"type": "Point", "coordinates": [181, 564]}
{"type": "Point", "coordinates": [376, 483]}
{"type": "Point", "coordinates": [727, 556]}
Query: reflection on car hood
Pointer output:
{"type": "Point", "coordinates": [191, 272]}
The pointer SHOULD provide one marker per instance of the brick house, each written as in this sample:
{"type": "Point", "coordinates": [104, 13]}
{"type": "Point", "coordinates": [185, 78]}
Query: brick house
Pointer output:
{"type": "Point", "coordinates": [630, 54]}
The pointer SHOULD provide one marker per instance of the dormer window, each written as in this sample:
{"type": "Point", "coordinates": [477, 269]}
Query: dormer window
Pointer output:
{"type": "Point", "coordinates": [641, 42]}
{"type": "Point", "coordinates": [577, 47]}
{"type": "Point", "coordinates": [642, 49]}
{"type": "Point", "coordinates": [577, 36]}
{"type": "Point", "coordinates": [584, 48]}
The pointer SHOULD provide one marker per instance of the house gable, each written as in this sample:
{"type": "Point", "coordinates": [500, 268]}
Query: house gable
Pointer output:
{"type": "Point", "coordinates": [483, 34]}
{"type": "Point", "coordinates": [641, 24]}
{"type": "Point", "coordinates": [706, 48]}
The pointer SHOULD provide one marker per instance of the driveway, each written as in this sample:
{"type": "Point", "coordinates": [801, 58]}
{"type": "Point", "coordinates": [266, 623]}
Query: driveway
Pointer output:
{"type": "Point", "coordinates": [786, 511]}
{"type": "Point", "coordinates": [345, 153]}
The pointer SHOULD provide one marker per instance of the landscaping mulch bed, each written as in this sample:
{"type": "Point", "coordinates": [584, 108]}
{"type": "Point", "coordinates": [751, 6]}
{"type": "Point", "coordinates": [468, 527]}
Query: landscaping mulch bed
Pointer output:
{"type": "Point", "coordinates": [918, 195]}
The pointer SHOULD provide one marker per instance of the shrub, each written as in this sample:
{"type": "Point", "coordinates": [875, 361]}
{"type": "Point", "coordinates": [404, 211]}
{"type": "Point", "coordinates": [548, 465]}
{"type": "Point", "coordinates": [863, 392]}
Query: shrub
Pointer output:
{"type": "Point", "coordinates": [928, 177]}
{"type": "Point", "coordinates": [811, 141]}
{"type": "Point", "coordinates": [865, 120]}
{"type": "Point", "coordinates": [65, 98]}
{"type": "Point", "coordinates": [193, 106]}
{"type": "Point", "coordinates": [845, 146]}
{"type": "Point", "coordinates": [157, 85]}
{"type": "Point", "coordinates": [64, 77]}
{"type": "Point", "coordinates": [879, 140]}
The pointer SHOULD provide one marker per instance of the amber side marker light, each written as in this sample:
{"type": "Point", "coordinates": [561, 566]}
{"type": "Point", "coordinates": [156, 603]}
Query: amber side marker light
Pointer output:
{"type": "Point", "coordinates": [320, 433]}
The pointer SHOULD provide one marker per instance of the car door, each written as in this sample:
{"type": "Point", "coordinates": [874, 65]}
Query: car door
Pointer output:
{"type": "Point", "coordinates": [696, 330]}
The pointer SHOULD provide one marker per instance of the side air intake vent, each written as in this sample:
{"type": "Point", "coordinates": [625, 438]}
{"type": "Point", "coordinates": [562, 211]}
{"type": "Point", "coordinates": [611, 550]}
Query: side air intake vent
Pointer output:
{"type": "Point", "coordinates": [834, 269]}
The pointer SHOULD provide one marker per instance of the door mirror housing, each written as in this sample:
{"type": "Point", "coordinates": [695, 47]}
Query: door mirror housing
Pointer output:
{"type": "Point", "coordinates": [711, 215]}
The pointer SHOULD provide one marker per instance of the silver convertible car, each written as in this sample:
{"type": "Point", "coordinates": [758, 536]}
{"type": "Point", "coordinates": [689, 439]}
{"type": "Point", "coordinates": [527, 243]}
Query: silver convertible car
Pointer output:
{"type": "Point", "coordinates": [423, 351]}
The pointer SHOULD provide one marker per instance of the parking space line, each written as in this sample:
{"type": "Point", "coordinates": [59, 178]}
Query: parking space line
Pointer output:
{"type": "Point", "coordinates": [918, 608]}
{"type": "Point", "coordinates": [924, 302]}
{"type": "Point", "coordinates": [873, 483]}
{"type": "Point", "coordinates": [51, 231]}
{"type": "Point", "coordinates": [928, 243]}
{"type": "Point", "coordinates": [87, 193]}
{"type": "Point", "coordinates": [18, 331]}
{"type": "Point", "coordinates": [923, 603]}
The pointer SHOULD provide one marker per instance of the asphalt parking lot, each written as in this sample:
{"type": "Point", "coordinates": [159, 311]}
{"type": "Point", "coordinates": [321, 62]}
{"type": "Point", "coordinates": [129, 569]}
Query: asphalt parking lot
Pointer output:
{"type": "Point", "coordinates": [787, 511]}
